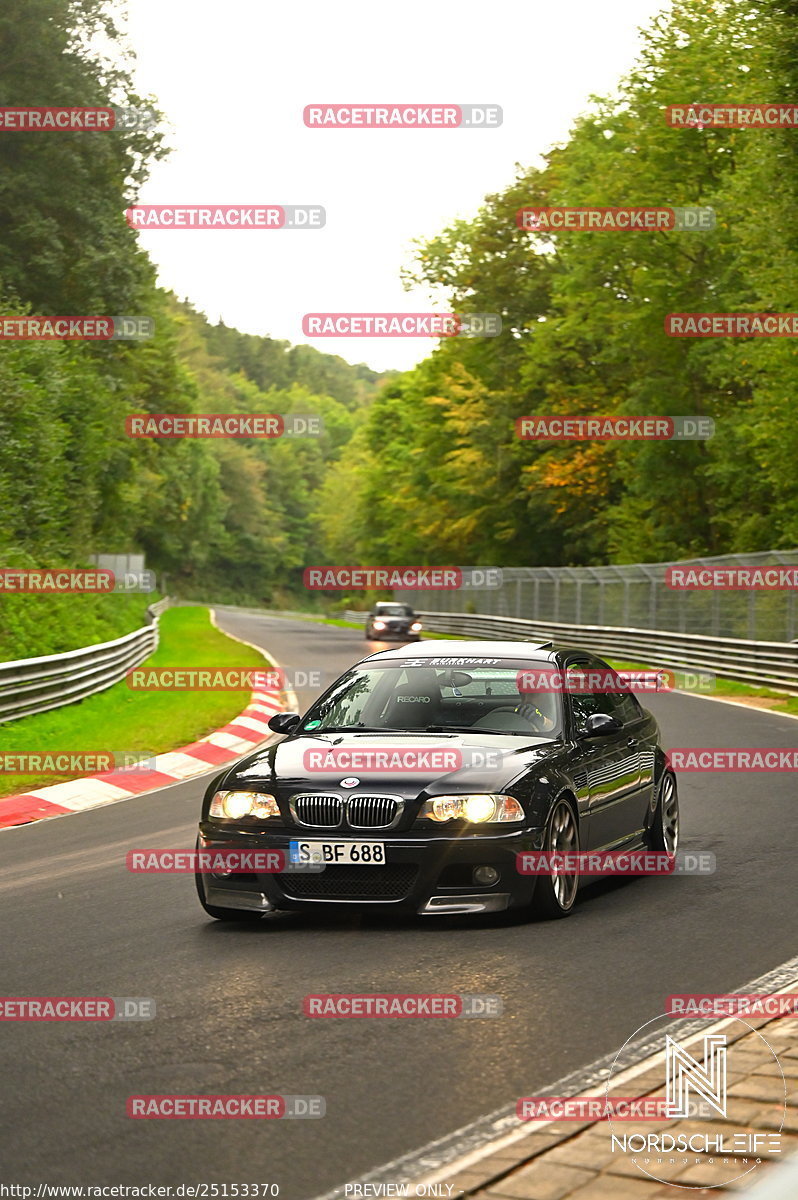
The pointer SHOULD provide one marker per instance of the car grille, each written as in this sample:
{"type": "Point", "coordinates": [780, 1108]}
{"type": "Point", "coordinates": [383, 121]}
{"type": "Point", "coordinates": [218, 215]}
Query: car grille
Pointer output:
{"type": "Point", "coordinates": [371, 812]}
{"type": "Point", "coordinates": [322, 811]}
{"type": "Point", "coordinates": [327, 810]}
{"type": "Point", "coordinates": [391, 882]}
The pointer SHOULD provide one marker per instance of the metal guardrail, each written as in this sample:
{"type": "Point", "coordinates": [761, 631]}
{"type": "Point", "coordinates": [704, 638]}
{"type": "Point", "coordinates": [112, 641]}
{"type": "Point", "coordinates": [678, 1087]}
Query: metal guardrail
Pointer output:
{"type": "Point", "coordinates": [633, 595]}
{"type": "Point", "coordinates": [160, 606]}
{"type": "Point", "coordinates": [34, 685]}
{"type": "Point", "coordinates": [772, 664]}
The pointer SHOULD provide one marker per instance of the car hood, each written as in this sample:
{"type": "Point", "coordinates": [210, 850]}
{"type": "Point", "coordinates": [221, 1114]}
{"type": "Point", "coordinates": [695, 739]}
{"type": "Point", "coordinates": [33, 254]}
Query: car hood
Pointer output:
{"type": "Point", "coordinates": [462, 761]}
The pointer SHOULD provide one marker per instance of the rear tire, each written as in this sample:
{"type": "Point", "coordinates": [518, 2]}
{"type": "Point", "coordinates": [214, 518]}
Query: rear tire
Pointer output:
{"type": "Point", "coordinates": [555, 895]}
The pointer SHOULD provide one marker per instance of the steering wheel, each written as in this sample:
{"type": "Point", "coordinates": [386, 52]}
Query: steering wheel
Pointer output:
{"type": "Point", "coordinates": [531, 713]}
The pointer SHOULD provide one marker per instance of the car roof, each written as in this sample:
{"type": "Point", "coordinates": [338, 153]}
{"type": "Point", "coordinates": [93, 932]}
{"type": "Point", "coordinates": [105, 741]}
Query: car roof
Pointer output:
{"type": "Point", "coordinates": [539, 651]}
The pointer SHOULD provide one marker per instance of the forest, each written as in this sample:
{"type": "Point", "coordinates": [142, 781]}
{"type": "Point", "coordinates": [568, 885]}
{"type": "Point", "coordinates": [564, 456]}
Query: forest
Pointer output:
{"type": "Point", "coordinates": [422, 466]}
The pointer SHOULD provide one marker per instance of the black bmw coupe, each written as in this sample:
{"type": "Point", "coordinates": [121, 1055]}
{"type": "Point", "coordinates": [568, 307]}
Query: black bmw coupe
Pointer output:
{"type": "Point", "coordinates": [389, 622]}
{"type": "Point", "coordinates": [416, 781]}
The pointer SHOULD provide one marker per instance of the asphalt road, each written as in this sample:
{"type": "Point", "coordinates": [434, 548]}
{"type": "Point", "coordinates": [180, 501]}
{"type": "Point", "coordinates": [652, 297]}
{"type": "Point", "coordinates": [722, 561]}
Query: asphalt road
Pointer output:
{"type": "Point", "coordinates": [229, 999]}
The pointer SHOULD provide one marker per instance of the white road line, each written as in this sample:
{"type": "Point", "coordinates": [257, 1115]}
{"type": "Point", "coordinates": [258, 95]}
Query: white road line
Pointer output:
{"type": "Point", "coordinates": [463, 1147]}
{"type": "Point", "coordinates": [290, 696]}
{"type": "Point", "coordinates": [768, 712]}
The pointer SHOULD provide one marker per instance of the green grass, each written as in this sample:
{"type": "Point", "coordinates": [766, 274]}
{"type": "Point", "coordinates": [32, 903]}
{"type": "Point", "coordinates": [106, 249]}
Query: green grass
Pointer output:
{"type": "Point", "coordinates": [33, 625]}
{"type": "Point", "coordinates": [121, 719]}
{"type": "Point", "coordinates": [335, 621]}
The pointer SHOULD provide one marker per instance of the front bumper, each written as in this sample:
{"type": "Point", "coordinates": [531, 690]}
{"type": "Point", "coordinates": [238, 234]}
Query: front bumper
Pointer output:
{"type": "Point", "coordinates": [395, 633]}
{"type": "Point", "coordinates": [427, 875]}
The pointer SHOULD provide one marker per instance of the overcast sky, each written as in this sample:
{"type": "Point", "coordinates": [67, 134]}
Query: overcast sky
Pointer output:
{"type": "Point", "coordinates": [233, 80]}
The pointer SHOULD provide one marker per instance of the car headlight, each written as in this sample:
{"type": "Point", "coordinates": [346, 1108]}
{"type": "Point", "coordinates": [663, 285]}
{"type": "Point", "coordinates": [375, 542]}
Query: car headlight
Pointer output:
{"type": "Point", "coordinates": [234, 805]}
{"type": "Point", "coordinates": [415, 626]}
{"type": "Point", "coordinates": [478, 808]}
{"type": "Point", "coordinates": [378, 624]}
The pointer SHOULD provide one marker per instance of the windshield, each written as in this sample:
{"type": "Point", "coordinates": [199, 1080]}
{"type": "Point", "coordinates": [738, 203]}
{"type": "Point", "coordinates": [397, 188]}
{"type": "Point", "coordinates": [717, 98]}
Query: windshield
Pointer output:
{"type": "Point", "coordinates": [393, 610]}
{"type": "Point", "coordinates": [399, 698]}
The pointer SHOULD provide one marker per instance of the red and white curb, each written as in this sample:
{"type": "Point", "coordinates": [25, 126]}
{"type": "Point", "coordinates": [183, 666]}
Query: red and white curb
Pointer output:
{"type": "Point", "coordinates": [224, 745]}
{"type": "Point", "coordinates": [243, 734]}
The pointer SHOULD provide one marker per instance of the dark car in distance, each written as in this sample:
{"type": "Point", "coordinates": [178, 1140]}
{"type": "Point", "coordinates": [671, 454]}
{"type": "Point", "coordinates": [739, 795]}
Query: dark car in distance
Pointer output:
{"type": "Point", "coordinates": [415, 780]}
{"type": "Point", "coordinates": [391, 622]}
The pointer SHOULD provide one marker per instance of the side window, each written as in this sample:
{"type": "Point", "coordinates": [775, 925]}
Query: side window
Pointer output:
{"type": "Point", "coordinates": [626, 707]}
{"type": "Point", "coordinates": [630, 708]}
{"type": "Point", "coordinates": [586, 702]}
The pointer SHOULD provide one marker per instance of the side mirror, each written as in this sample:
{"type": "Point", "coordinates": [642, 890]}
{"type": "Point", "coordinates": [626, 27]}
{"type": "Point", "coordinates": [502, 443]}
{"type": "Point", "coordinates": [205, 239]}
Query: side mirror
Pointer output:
{"type": "Point", "coordinates": [284, 722]}
{"type": "Point", "coordinates": [600, 725]}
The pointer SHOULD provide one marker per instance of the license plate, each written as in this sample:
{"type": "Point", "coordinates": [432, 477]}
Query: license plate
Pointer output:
{"type": "Point", "coordinates": [367, 854]}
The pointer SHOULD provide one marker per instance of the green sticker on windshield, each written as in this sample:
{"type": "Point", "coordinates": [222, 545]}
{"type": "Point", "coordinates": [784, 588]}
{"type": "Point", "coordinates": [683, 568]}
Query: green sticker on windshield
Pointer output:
{"type": "Point", "coordinates": [312, 724]}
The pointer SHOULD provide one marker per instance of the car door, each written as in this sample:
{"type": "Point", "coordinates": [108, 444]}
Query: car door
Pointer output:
{"type": "Point", "coordinates": [641, 738]}
{"type": "Point", "coordinates": [641, 729]}
{"type": "Point", "coordinates": [606, 768]}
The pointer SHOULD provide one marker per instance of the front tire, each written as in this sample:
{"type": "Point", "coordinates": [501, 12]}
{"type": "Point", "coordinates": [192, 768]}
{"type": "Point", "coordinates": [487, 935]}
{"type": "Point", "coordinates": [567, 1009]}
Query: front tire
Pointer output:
{"type": "Point", "coordinates": [555, 894]}
{"type": "Point", "coordinates": [664, 832]}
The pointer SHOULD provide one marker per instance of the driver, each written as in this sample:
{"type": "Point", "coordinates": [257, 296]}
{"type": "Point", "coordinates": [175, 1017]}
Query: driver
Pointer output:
{"type": "Point", "coordinates": [539, 709]}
